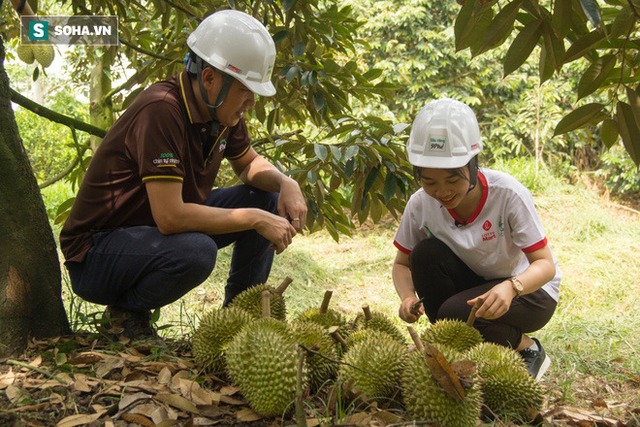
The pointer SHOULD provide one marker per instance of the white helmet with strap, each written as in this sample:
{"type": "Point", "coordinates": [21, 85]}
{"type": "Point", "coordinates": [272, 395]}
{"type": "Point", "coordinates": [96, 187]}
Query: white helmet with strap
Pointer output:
{"type": "Point", "coordinates": [445, 135]}
{"type": "Point", "coordinates": [236, 44]}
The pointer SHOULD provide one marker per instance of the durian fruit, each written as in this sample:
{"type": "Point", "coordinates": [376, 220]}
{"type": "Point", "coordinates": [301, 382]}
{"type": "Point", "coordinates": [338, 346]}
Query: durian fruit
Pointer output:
{"type": "Point", "coordinates": [315, 337]}
{"type": "Point", "coordinates": [378, 321]}
{"type": "Point", "coordinates": [453, 333]}
{"type": "Point", "coordinates": [251, 300]}
{"type": "Point", "coordinates": [508, 388]}
{"type": "Point", "coordinates": [262, 362]}
{"type": "Point", "coordinates": [25, 53]}
{"type": "Point", "coordinates": [373, 364]}
{"type": "Point", "coordinates": [44, 54]}
{"type": "Point", "coordinates": [214, 333]}
{"type": "Point", "coordinates": [426, 400]}
{"type": "Point", "coordinates": [326, 317]}
{"type": "Point", "coordinates": [440, 387]}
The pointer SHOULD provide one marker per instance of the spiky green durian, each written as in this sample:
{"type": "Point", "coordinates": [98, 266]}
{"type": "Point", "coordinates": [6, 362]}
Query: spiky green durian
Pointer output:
{"type": "Point", "coordinates": [251, 301]}
{"type": "Point", "coordinates": [453, 333]}
{"type": "Point", "coordinates": [374, 364]}
{"type": "Point", "coordinates": [44, 54]}
{"type": "Point", "coordinates": [491, 353]}
{"type": "Point", "coordinates": [326, 319]}
{"type": "Point", "coordinates": [380, 322]}
{"type": "Point", "coordinates": [25, 53]}
{"type": "Point", "coordinates": [426, 400]}
{"type": "Point", "coordinates": [213, 334]}
{"type": "Point", "coordinates": [315, 337]}
{"type": "Point", "coordinates": [508, 388]}
{"type": "Point", "coordinates": [262, 362]}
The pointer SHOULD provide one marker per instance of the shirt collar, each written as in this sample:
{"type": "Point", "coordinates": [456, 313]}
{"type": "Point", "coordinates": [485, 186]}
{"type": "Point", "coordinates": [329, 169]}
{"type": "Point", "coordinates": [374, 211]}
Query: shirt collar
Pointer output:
{"type": "Point", "coordinates": [190, 100]}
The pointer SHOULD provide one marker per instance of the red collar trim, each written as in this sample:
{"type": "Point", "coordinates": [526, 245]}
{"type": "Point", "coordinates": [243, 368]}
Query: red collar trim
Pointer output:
{"type": "Point", "coordinates": [482, 180]}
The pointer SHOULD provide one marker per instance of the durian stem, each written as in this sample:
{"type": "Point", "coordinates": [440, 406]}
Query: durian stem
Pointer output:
{"type": "Point", "coordinates": [301, 418]}
{"type": "Point", "coordinates": [472, 315]}
{"type": "Point", "coordinates": [416, 338]}
{"type": "Point", "coordinates": [266, 303]}
{"type": "Point", "coordinates": [367, 312]}
{"type": "Point", "coordinates": [324, 307]}
{"type": "Point", "coordinates": [284, 285]}
{"type": "Point", "coordinates": [333, 331]}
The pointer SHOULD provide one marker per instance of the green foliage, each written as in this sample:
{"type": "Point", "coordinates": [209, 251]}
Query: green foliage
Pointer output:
{"type": "Point", "coordinates": [610, 48]}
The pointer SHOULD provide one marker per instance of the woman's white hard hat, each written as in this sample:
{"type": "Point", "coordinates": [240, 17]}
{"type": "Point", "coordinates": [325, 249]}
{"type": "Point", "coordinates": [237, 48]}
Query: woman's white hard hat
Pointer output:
{"type": "Point", "coordinates": [445, 135]}
{"type": "Point", "coordinates": [239, 45]}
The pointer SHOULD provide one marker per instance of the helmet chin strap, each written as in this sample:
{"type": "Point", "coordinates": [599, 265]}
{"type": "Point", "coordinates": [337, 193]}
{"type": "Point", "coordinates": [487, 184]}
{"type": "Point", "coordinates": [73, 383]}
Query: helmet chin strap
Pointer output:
{"type": "Point", "coordinates": [473, 173]}
{"type": "Point", "coordinates": [226, 84]}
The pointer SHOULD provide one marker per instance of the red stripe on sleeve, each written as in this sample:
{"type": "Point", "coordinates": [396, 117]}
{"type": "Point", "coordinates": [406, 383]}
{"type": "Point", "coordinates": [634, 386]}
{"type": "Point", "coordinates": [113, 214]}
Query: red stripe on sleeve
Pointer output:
{"type": "Point", "coordinates": [401, 248]}
{"type": "Point", "coordinates": [541, 244]}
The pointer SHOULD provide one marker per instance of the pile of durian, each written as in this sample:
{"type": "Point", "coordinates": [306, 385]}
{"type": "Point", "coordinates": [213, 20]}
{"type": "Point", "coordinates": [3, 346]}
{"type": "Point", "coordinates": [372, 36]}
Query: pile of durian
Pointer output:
{"type": "Point", "coordinates": [446, 375]}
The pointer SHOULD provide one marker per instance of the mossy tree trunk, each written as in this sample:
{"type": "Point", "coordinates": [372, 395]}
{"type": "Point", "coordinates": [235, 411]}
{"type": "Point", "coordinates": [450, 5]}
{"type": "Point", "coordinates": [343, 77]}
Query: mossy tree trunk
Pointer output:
{"type": "Point", "coordinates": [30, 280]}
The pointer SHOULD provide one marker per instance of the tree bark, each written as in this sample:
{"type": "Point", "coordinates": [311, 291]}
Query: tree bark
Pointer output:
{"type": "Point", "coordinates": [30, 281]}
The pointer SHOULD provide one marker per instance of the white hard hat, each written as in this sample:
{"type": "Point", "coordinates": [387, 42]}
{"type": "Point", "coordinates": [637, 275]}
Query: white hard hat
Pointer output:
{"type": "Point", "coordinates": [239, 45]}
{"type": "Point", "coordinates": [445, 135]}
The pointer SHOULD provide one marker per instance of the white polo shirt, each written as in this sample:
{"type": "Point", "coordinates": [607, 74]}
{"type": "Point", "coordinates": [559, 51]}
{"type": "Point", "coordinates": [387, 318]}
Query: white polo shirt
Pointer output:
{"type": "Point", "coordinates": [494, 240]}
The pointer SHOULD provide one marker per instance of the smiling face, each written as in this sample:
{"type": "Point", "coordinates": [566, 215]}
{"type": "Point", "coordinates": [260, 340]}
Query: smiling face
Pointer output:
{"type": "Point", "coordinates": [448, 186]}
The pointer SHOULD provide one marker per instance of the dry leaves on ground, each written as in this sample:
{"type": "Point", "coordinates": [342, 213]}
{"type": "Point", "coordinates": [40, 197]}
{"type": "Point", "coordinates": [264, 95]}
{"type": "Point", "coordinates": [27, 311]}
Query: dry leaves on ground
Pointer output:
{"type": "Point", "coordinates": [81, 381]}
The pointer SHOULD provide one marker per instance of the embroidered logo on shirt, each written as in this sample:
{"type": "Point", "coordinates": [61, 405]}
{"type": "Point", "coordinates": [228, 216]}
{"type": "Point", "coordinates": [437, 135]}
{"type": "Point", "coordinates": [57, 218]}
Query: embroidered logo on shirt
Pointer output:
{"type": "Point", "coordinates": [166, 160]}
{"type": "Point", "coordinates": [426, 231]}
{"type": "Point", "coordinates": [487, 225]}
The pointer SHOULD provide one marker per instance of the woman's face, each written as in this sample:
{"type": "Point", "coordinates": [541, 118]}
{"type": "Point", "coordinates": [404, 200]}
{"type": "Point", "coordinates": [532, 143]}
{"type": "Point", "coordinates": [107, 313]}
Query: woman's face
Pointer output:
{"type": "Point", "coordinates": [447, 186]}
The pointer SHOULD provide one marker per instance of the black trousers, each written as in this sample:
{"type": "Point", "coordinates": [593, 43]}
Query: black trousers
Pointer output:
{"type": "Point", "coordinates": [138, 268]}
{"type": "Point", "coordinates": [446, 284]}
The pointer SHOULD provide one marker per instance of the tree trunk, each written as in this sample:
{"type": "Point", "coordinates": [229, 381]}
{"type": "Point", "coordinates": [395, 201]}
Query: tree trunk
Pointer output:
{"type": "Point", "coordinates": [30, 282]}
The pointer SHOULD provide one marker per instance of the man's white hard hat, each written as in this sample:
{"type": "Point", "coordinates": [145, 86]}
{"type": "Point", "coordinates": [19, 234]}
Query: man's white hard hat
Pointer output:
{"type": "Point", "coordinates": [239, 45]}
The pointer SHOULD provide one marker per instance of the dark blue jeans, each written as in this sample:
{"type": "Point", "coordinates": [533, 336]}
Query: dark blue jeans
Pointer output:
{"type": "Point", "coordinates": [446, 284]}
{"type": "Point", "coordinates": [138, 268]}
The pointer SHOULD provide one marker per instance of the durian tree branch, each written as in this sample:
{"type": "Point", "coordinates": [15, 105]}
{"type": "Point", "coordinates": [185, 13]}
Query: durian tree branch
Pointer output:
{"type": "Point", "coordinates": [54, 116]}
{"type": "Point", "coordinates": [144, 51]}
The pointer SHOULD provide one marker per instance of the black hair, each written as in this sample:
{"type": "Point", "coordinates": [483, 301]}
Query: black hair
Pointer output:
{"type": "Point", "coordinates": [472, 165]}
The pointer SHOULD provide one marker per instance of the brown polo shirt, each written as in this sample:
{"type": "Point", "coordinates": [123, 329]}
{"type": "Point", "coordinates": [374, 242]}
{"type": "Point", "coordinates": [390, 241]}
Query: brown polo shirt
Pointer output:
{"type": "Point", "coordinates": [159, 137]}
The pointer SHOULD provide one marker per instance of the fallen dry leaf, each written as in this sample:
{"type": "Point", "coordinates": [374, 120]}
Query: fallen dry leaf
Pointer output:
{"type": "Point", "coordinates": [16, 394]}
{"type": "Point", "coordinates": [78, 420]}
{"type": "Point", "coordinates": [7, 379]}
{"type": "Point", "coordinates": [128, 401]}
{"type": "Point", "coordinates": [177, 402]}
{"type": "Point", "coordinates": [164, 376]}
{"type": "Point", "coordinates": [248, 415]}
{"type": "Point", "coordinates": [442, 372]}
{"type": "Point", "coordinates": [138, 419]}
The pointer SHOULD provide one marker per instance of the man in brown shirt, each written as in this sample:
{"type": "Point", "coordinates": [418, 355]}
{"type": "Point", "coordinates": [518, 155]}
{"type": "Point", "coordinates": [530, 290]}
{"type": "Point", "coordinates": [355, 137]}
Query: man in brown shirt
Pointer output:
{"type": "Point", "coordinates": [146, 225]}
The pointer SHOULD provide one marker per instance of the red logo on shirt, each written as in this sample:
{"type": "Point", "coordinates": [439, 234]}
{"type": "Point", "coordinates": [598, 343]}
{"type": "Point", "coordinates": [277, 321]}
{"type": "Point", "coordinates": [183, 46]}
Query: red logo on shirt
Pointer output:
{"type": "Point", "coordinates": [487, 225]}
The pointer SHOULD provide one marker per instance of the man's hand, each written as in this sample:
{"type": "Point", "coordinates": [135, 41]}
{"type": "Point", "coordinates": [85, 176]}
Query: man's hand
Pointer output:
{"type": "Point", "coordinates": [276, 229]}
{"type": "Point", "coordinates": [291, 203]}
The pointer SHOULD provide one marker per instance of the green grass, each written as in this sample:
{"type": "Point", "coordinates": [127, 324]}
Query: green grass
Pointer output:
{"type": "Point", "coordinates": [592, 338]}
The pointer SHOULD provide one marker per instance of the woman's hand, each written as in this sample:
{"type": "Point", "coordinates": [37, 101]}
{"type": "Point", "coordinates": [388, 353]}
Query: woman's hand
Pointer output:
{"type": "Point", "coordinates": [497, 301]}
{"type": "Point", "coordinates": [407, 311]}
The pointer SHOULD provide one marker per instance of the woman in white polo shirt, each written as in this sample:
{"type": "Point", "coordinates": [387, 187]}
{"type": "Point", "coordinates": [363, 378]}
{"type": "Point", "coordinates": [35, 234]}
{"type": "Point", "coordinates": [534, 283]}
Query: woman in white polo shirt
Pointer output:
{"type": "Point", "coordinates": [472, 233]}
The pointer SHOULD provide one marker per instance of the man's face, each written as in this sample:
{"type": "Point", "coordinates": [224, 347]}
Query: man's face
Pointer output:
{"type": "Point", "coordinates": [238, 100]}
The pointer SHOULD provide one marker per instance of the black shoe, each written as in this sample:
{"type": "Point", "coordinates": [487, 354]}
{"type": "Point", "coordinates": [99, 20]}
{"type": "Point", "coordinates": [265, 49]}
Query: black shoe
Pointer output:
{"type": "Point", "coordinates": [537, 361]}
{"type": "Point", "coordinates": [135, 325]}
